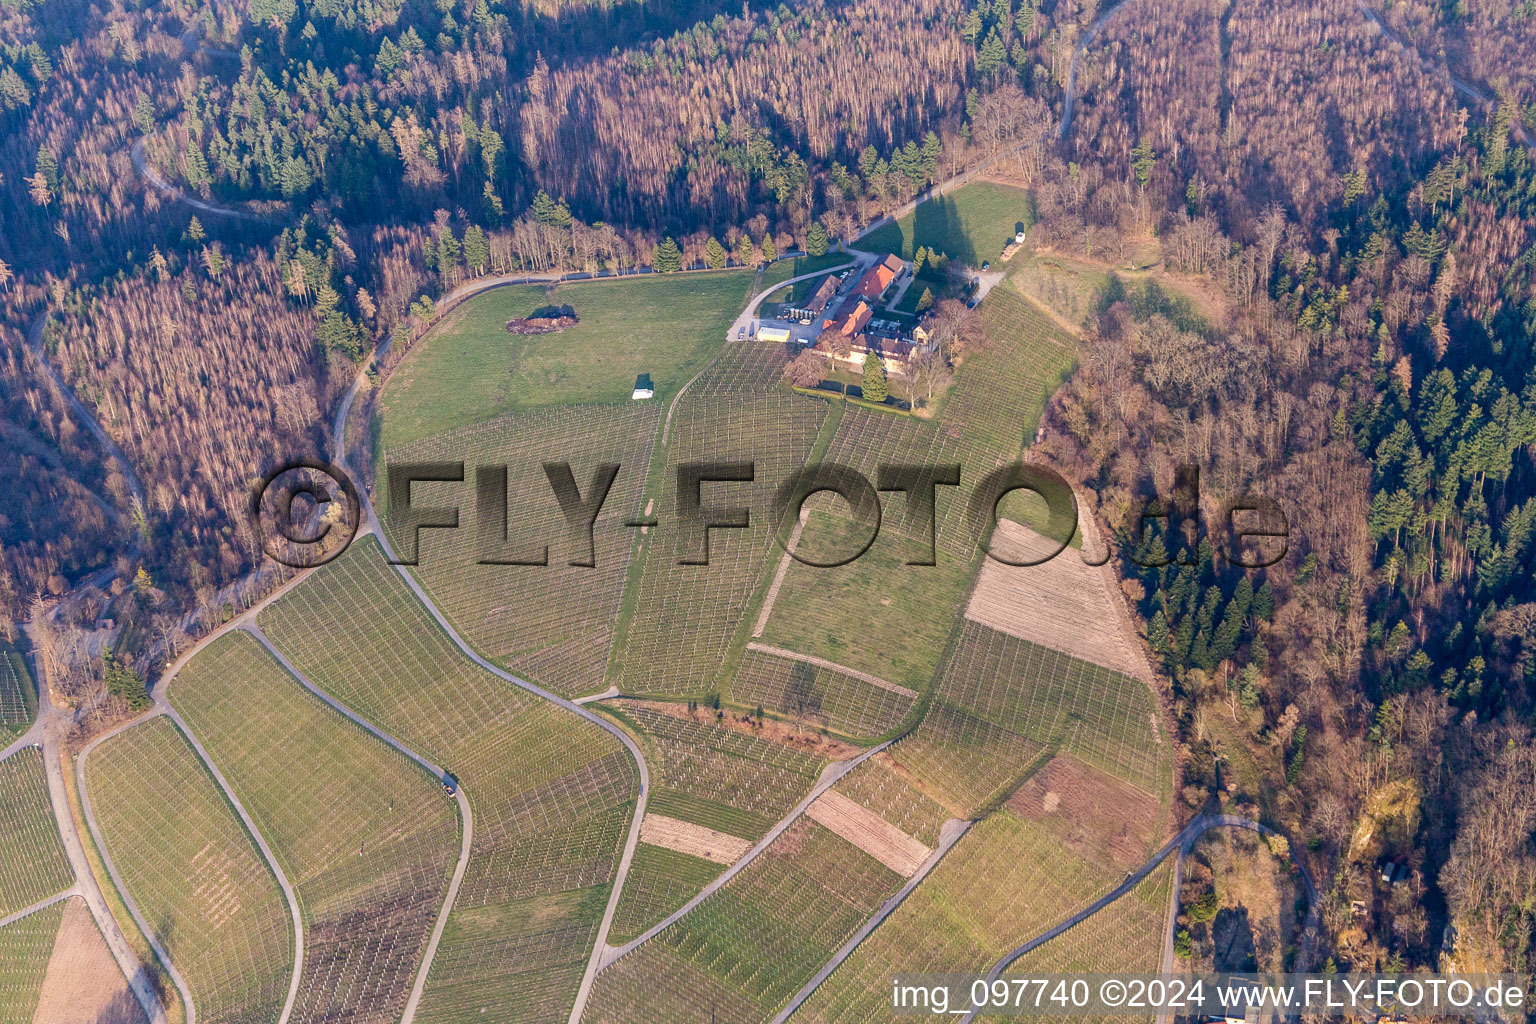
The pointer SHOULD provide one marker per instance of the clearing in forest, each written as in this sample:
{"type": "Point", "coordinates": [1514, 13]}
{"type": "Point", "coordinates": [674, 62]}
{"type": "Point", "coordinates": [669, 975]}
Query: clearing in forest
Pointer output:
{"type": "Point", "coordinates": [365, 836]}
{"type": "Point", "coordinates": [971, 224]}
{"type": "Point", "coordinates": [552, 794]}
{"type": "Point", "coordinates": [469, 369]}
{"type": "Point", "coordinates": [194, 872]}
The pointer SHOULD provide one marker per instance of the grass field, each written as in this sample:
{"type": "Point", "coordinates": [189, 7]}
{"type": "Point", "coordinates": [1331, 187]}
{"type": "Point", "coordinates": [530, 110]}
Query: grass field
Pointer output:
{"type": "Point", "coordinates": [549, 623]}
{"type": "Point", "coordinates": [681, 618]}
{"type": "Point", "coordinates": [784, 270]}
{"type": "Point", "coordinates": [821, 696]}
{"type": "Point", "coordinates": [194, 872]}
{"type": "Point", "coordinates": [1003, 704]}
{"type": "Point", "coordinates": [25, 949]}
{"type": "Point", "coordinates": [1005, 881]}
{"type": "Point", "coordinates": [32, 862]}
{"type": "Point", "coordinates": [971, 224]}
{"type": "Point", "coordinates": [366, 837]}
{"type": "Point", "coordinates": [470, 369]}
{"type": "Point", "coordinates": [18, 700]}
{"type": "Point", "coordinates": [742, 953]}
{"type": "Point", "coordinates": [551, 794]}
{"type": "Point", "coordinates": [877, 614]}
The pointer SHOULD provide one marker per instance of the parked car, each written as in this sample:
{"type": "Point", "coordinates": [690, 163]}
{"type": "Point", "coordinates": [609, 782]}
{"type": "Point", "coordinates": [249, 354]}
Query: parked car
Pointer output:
{"type": "Point", "coordinates": [450, 783]}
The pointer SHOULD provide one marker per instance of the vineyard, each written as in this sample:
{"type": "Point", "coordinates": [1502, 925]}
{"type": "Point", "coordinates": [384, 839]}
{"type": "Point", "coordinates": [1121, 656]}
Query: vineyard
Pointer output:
{"type": "Point", "coordinates": [751, 945]}
{"type": "Point", "coordinates": [659, 882]}
{"type": "Point", "coordinates": [367, 839]}
{"type": "Point", "coordinates": [817, 695]}
{"type": "Point", "coordinates": [32, 862]}
{"type": "Point", "coordinates": [552, 795]}
{"type": "Point", "coordinates": [749, 782]}
{"type": "Point", "coordinates": [1125, 937]}
{"type": "Point", "coordinates": [1004, 702]}
{"type": "Point", "coordinates": [25, 949]}
{"type": "Point", "coordinates": [18, 702]}
{"type": "Point", "coordinates": [551, 623]}
{"type": "Point", "coordinates": [1000, 391]}
{"type": "Point", "coordinates": [879, 787]}
{"type": "Point", "coordinates": [1004, 882]}
{"type": "Point", "coordinates": [194, 872]}
{"type": "Point", "coordinates": [679, 628]}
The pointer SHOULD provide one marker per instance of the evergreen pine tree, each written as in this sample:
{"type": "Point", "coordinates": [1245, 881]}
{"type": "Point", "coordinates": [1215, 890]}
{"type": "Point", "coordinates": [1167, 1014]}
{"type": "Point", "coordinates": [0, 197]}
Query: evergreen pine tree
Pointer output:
{"type": "Point", "coordinates": [714, 254]}
{"type": "Point", "coordinates": [876, 387]}
{"type": "Point", "coordinates": [816, 240]}
{"type": "Point", "coordinates": [666, 257]}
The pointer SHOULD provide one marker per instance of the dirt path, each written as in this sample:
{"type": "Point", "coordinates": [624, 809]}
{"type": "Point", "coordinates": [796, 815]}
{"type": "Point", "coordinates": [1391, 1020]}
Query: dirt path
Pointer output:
{"type": "Point", "coordinates": [779, 574]}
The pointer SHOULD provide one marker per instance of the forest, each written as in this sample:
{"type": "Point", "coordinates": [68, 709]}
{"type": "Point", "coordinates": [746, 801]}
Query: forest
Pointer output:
{"type": "Point", "coordinates": [219, 214]}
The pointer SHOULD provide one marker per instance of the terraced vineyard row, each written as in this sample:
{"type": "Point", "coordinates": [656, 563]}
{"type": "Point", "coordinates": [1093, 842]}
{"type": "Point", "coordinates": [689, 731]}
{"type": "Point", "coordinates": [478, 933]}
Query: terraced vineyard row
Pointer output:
{"type": "Point", "coordinates": [684, 616]}
{"type": "Point", "coordinates": [32, 862]}
{"type": "Point", "coordinates": [552, 795]}
{"type": "Point", "coordinates": [367, 839]}
{"type": "Point", "coordinates": [18, 700]}
{"type": "Point", "coordinates": [879, 786]}
{"type": "Point", "coordinates": [842, 702]}
{"type": "Point", "coordinates": [1003, 882]}
{"type": "Point", "coordinates": [709, 775]}
{"type": "Point", "coordinates": [26, 946]}
{"type": "Point", "coordinates": [743, 952]}
{"type": "Point", "coordinates": [1004, 703]}
{"type": "Point", "coordinates": [551, 623]}
{"type": "Point", "coordinates": [194, 872]}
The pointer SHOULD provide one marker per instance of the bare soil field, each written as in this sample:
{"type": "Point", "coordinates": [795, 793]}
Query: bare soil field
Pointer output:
{"type": "Point", "coordinates": [1061, 604]}
{"type": "Point", "coordinates": [869, 832]}
{"type": "Point", "coordinates": [84, 984]}
{"type": "Point", "coordinates": [695, 840]}
{"type": "Point", "coordinates": [1101, 818]}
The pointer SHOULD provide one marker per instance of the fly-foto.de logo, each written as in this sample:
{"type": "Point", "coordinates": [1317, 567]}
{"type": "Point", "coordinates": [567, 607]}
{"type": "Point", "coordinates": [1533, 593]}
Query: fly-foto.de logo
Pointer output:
{"type": "Point", "coordinates": [307, 513]}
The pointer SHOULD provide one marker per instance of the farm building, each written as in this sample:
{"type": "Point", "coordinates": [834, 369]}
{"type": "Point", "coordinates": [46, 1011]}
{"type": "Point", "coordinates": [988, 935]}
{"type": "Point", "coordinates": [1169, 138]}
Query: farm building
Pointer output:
{"type": "Point", "coordinates": [643, 388]}
{"type": "Point", "coordinates": [879, 277]}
